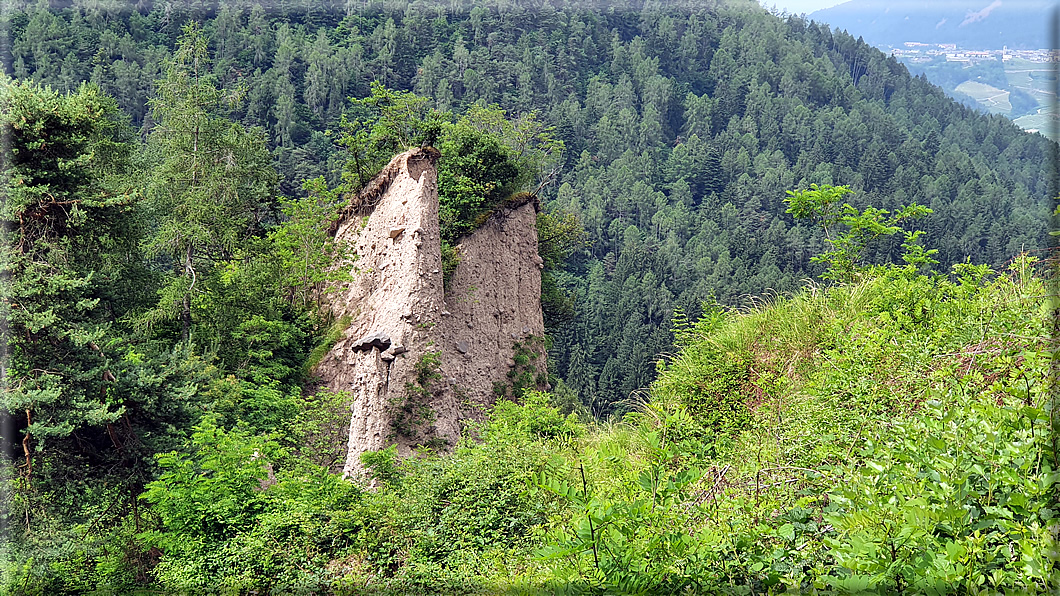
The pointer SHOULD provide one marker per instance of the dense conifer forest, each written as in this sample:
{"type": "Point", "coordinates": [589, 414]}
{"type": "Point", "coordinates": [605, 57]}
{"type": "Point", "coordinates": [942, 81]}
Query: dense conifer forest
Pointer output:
{"type": "Point", "coordinates": [682, 130]}
{"type": "Point", "coordinates": [797, 304]}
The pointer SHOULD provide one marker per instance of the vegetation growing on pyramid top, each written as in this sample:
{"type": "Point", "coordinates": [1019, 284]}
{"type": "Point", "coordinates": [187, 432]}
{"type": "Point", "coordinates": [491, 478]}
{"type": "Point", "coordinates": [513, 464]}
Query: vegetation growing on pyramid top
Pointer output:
{"type": "Point", "coordinates": [485, 157]}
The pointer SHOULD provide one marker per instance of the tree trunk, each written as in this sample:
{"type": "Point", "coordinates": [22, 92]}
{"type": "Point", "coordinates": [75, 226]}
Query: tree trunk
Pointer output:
{"type": "Point", "coordinates": [189, 270]}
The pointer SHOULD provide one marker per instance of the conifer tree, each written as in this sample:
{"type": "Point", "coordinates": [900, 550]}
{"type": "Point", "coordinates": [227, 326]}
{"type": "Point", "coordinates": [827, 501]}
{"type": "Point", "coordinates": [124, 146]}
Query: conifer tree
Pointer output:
{"type": "Point", "coordinates": [64, 216]}
{"type": "Point", "coordinates": [211, 183]}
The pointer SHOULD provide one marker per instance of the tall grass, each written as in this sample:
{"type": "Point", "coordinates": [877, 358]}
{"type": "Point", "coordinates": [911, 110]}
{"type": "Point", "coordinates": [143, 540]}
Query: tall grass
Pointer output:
{"type": "Point", "coordinates": [831, 370]}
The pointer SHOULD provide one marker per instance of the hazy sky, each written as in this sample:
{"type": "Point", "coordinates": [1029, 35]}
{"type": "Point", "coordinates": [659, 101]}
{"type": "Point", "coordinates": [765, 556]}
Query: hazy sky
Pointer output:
{"type": "Point", "coordinates": [800, 6]}
{"type": "Point", "coordinates": [808, 6]}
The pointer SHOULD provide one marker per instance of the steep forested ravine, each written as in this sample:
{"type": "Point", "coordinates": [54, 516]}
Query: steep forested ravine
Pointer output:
{"type": "Point", "coordinates": [740, 374]}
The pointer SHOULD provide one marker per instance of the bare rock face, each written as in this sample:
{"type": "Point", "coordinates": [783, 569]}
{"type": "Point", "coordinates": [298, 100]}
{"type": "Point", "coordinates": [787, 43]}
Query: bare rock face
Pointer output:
{"type": "Point", "coordinates": [415, 362]}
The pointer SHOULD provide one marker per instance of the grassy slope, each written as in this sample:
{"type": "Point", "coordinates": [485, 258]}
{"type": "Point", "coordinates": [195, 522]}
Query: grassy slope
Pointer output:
{"type": "Point", "coordinates": [874, 408]}
{"type": "Point", "coordinates": [991, 98]}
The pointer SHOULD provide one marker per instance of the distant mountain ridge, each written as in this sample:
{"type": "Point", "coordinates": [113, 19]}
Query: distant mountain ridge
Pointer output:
{"type": "Point", "coordinates": [972, 24]}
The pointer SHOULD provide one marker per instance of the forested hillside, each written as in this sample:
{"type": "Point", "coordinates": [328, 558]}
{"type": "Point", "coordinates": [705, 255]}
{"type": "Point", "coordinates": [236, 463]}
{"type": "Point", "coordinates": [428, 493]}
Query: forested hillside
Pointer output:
{"type": "Point", "coordinates": [749, 394]}
{"type": "Point", "coordinates": [683, 128]}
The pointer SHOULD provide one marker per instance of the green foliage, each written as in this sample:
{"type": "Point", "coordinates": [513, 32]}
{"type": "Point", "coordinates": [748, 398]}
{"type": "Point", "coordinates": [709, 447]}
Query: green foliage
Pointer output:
{"type": "Point", "coordinates": [486, 157]}
{"type": "Point", "coordinates": [821, 203]}
{"type": "Point", "coordinates": [643, 541]}
{"type": "Point", "coordinates": [85, 403]}
{"type": "Point", "coordinates": [463, 522]}
{"type": "Point", "coordinates": [718, 396]}
{"type": "Point", "coordinates": [862, 227]}
{"type": "Point", "coordinates": [475, 174]}
{"type": "Point", "coordinates": [564, 399]}
{"type": "Point", "coordinates": [409, 414]}
{"type": "Point", "coordinates": [685, 332]}
{"type": "Point", "coordinates": [303, 250]}
{"type": "Point", "coordinates": [212, 177]}
{"type": "Point", "coordinates": [525, 373]}
{"type": "Point", "coordinates": [683, 132]}
{"type": "Point", "coordinates": [712, 380]}
{"type": "Point", "coordinates": [450, 261]}
{"type": "Point", "coordinates": [689, 126]}
{"type": "Point", "coordinates": [534, 418]}
{"type": "Point", "coordinates": [212, 493]}
{"type": "Point", "coordinates": [256, 335]}
{"type": "Point", "coordinates": [67, 227]}
{"type": "Point", "coordinates": [229, 521]}
{"type": "Point", "coordinates": [559, 236]}
{"type": "Point", "coordinates": [834, 486]}
{"type": "Point", "coordinates": [318, 432]}
{"type": "Point", "coordinates": [427, 369]}
{"type": "Point", "coordinates": [261, 406]}
{"type": "Point", "coordinates": [330, 337]}
{"type": "Point", "coordinates": [382, 124]}
{"type": "Point", "coordinates": [100, 400]}
{"type": "Point", "coordinates": [557, 304]}
{"type": "Point", "coordinates": [382, 465]}
{"type": "Point", "coordinates": [968, 502]}
{"type": "Point", "coordinates": [915, 255]}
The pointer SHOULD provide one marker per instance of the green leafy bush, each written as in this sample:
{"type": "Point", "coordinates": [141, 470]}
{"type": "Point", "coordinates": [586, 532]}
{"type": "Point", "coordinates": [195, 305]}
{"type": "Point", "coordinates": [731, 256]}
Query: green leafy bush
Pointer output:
{"type": "Point", "coordinates": [861, 227]}
{"type": "Point", "coordinates": [382, 465]}
{"type": "Point", "coordinates": [648, 540]}
{"type": "Point", "coordinates": [410, 411]}
{"type": "Point", "coordinates": [230, 518]}
{"type": "Point", "coordinates": [535, 418]}
{"type": "Point", "coordinates": [450, 261]}
{"type": "Point", "coordinates": [485, 156]}
{"type": "Point", "coordinates": [318, 432]}
{"type": "Point", "coordinates": [214, 493]}
{"type": "Point", "coordinates": [383, 124]}
{"type": "Point", "coordinates": [302, 251]}
{"type": "Point", "coordinates": [714, 384]}
{"type": "Point", "coordinates": [464, 522]}
{"type": "Point", "coordinates": [958, 499]}
{"type": "Point", "coordinates": [474, 175]}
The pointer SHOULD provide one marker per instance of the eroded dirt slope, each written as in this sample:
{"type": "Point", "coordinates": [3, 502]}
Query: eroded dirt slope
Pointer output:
{"type": "Point", "coordinates": [493, 326]}
{"type": "Point", "coordinates": [415, 363]}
